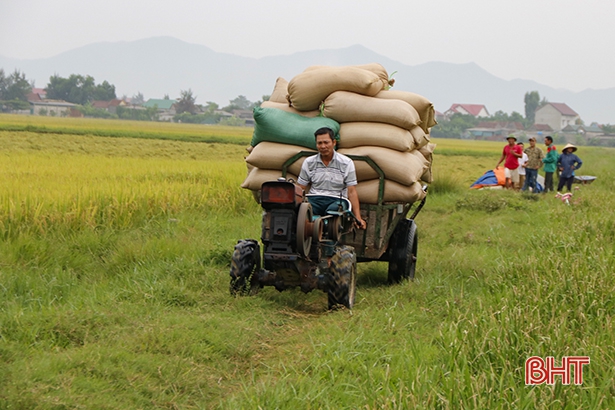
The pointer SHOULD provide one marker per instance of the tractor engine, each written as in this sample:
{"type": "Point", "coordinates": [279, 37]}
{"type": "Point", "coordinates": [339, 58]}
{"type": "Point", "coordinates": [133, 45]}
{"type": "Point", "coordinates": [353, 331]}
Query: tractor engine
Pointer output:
{"type": "Point", "coordinates": [281, 202]}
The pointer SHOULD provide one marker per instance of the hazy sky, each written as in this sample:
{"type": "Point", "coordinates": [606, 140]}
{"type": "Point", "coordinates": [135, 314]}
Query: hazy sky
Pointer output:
{"type": "Point", "coordinates": [560, 43]}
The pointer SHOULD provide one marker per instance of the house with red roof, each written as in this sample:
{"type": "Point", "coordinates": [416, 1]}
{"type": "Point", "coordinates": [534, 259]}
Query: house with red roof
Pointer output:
{"type": "Point", "coordinates": [475, 110]}
{"type": "Point", "coordinates": [110, 106]}
{"type": "Point", "coordinates": [556, 115]}
{"type": "Point", "coordinates": [36, 94]}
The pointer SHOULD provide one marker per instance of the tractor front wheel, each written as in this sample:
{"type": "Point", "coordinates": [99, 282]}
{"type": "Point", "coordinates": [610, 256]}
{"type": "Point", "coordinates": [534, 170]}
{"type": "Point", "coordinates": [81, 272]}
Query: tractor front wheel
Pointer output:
{"type": "Point", "coordinates": [244, 264]}
{"type": "Point", "coordinates": [343, 278]}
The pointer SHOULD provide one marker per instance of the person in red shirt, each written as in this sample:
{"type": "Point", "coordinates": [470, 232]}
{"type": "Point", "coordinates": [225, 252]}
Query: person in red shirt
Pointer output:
{"type": "Point", "coordinates": [510, 155]}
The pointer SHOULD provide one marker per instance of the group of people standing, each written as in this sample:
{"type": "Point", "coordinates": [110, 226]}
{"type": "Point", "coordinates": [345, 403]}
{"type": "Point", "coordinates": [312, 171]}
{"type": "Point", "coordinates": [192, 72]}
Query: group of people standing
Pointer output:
{"type": "Point", "coordinates": [521, 165]}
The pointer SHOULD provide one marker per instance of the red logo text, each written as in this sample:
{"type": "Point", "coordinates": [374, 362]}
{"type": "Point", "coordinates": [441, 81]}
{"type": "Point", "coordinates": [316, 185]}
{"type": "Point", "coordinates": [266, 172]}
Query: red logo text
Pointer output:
{"type": "Point", "coordinates": [538, 371]}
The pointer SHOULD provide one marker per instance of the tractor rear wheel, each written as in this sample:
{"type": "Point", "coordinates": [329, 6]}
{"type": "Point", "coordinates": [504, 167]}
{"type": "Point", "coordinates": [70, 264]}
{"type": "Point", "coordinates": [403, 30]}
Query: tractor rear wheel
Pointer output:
{"type": "Point", "coordinates": [343, 283]}
{"type": "Point", "coordinates": [403, 250]}
{"type": "Point", "coordinates": [244, 264]}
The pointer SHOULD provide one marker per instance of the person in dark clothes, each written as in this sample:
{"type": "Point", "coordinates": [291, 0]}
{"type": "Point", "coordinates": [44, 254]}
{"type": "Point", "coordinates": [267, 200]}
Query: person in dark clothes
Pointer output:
{"type": "Point", "coordinates": [567, 163]}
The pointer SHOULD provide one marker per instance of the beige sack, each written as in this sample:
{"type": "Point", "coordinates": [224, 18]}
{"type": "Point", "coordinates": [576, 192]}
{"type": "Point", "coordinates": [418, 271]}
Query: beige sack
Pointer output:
{"type": "Point", "coordinates": [343, 106]}
{"type": "Point", "coordinates": [402, 167]}
{"type": "Point", "coordinates": [356, 134]}
{"type": "Point", "coordinates": [285, 107]}
{"type": "Point", "coordinates": [393, 192]}
{"type": "Point", "coordinates": [375, 68]}
{"type": "Point", "coordinates": [272, 155]}
{"type": "Point", "coordinates": [420, 138]}
{"type": "Point", "coordinates": [257, 177]}
{"type": "Point", "coordinates": [307, 90]}
{"type": "Point", "coordinates": [280, 91]}
{"type": "Point", "coordinates": [427, 152]}
{"type": "Point", "coordinates": [423, 106]}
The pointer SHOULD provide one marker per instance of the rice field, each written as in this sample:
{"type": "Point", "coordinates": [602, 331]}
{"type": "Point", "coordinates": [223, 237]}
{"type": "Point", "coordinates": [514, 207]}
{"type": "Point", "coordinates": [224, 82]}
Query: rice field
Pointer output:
{"type": "Point", "coordinates": [126, 129]}
{"type": "Point", "coordinates": [114, 258]}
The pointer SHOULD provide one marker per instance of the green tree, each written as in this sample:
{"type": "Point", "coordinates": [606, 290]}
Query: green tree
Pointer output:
{"type": "Point", "coordinates": [78, 89]}
{"type": "Point", "coordinates": [532, 101]}
{"type": "Point", "coordinates": [89, 111]}
{"type": "Point", "coordinates": [544, 101]}
{"type": "Point", "coordinates": [258, 103]}
{"type": "Point", "coordinates": [15, 87]}
{"type": "Point", "coordinates": [206, 118]}
{"type": "Point", "coordinates": [239, 103]}
{"type": "Point", "coordinates": [2, 83]}
{"type": "Point", "coordinates": [104, 92]}
{"type": "Point", "coordinates": [608, 129]}
{"type": "Point", "coordinates": [455, 127]}
{"type": "Point", "coordinates": [516, 117]}
{"type": "Point", "coordinates": [186, 102]}
{"type": "Point", "coordinates": [130, 113]}
{"type": "Point", "coordinates": [138, 98]}
{"type": "Point", "coordinates": [500, 116]}
{"type": "Point", "coordinates": [211, 106]}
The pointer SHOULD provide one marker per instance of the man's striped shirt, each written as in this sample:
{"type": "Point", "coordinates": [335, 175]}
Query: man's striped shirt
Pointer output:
{"type": "Point", "coordinates": [328, 180]}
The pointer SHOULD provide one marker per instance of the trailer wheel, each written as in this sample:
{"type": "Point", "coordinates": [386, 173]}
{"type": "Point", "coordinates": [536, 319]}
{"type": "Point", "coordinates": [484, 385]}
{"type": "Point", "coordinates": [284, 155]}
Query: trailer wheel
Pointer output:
{"type": "Point", "coordinates": [403, 249]}
{"type": "Point", "coordinates": [343, 278]}
{"type": "Point", "coordinates": [244, 264]}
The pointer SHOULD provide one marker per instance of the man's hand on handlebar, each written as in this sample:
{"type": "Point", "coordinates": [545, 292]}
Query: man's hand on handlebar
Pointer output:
{"type": "Point", "coordinates": [360, 223]}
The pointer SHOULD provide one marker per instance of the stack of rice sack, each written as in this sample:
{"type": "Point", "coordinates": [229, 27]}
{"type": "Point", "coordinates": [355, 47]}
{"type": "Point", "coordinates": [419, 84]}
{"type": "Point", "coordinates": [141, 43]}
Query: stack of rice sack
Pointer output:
{"type": "Point", "coordinates": [391, 127]}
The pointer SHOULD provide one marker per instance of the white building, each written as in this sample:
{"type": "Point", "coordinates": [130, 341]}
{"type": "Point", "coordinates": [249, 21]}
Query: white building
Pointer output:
{"type": "Point", "coordinates": [556, 115]}
{"type": "Point", "coordinates": [47, 107]}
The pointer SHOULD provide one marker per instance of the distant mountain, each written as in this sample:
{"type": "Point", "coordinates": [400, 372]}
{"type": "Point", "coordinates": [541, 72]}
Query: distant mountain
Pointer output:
{"type": "Point", "coordinates": [165, 65]}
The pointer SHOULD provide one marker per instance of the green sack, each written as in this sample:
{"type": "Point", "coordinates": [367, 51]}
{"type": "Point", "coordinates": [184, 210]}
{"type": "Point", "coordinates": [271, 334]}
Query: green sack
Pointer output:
{"type": "Point", "coordinates": [275, 125]}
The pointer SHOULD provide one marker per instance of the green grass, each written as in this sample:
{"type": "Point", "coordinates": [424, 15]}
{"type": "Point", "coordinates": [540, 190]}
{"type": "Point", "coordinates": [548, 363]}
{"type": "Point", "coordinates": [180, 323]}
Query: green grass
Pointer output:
{"type": "Point", "coordinates": [138, 315]}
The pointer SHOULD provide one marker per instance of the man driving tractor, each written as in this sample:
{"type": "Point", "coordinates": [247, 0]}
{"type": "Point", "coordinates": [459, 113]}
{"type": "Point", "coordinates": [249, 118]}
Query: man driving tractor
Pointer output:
{"type": "Point", "coordinates": [330, 174]}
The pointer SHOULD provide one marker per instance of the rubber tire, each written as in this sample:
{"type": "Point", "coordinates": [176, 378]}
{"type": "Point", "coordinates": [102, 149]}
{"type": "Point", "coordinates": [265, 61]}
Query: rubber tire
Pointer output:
{"type": "Point", "coordinates": [404, 252]}
{"type": "Point", "coordinates": [343, 284]}
{"type": "Point", "coordinates": [244, 263]}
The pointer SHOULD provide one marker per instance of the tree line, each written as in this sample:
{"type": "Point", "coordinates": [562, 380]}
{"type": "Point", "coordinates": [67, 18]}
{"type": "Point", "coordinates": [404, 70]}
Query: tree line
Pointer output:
{"type": "Point", "coordinates": [82, 90]}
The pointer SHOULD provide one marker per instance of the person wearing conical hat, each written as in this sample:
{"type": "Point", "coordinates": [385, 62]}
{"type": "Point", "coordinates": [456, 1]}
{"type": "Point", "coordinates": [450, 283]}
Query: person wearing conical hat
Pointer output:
{"type": "Point", "coordinates": [567, 163]}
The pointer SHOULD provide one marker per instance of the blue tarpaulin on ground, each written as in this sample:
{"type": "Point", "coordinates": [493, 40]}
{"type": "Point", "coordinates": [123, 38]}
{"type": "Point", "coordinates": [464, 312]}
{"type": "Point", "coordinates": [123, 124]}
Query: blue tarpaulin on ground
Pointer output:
{"type": "Point", "coordinates": [487, 179]}
{"type": "Point", "coordinates": [493, 179]}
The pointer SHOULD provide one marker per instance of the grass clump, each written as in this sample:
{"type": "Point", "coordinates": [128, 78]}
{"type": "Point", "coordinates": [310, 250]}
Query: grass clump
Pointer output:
{"type": "Point", "coordinates": [489, 201]}
{"type": "Point", "coordinates": [444, 184]}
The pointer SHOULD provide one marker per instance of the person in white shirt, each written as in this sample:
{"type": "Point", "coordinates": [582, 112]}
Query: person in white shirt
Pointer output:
{"type": "Point", "coordinates": [522, 162]}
